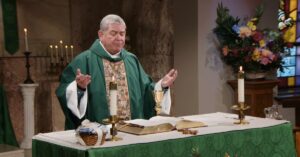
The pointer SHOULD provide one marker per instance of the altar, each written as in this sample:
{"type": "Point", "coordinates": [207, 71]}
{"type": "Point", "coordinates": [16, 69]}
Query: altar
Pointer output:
{"type": "Point", "coordinates": [262, 138]}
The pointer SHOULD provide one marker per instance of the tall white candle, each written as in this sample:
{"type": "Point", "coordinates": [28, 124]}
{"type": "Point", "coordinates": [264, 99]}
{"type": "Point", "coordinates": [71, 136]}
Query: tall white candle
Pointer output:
{"type": "Point", "coordinates": [56, 53]}
{"type": "Point", "coordinates": [72, 52]}
{"type": "Point", "coordinates": [67, 55]}
{"type": "Point", "coordinates": [113, 97]}
{"type": "Point", "coordinates": [61, 49]}
{"type": "Point", "coordinates": [51, 54]}
{"type": "Point", "coordinates": [241, 86]}
{"type": "Point", "coordinates": [26, 40]}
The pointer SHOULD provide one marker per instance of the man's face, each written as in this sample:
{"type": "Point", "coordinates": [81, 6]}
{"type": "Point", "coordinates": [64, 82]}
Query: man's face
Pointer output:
{"type": "Point", "coordinates": [113, 39]}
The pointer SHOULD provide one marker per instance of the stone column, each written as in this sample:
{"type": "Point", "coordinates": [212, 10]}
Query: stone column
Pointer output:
{"type": "Point", "coordinates": [28, 92]}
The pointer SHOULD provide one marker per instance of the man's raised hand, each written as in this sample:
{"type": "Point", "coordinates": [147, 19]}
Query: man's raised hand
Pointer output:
{"type": "Point", "coordinates": [82, 80]}
{"type": "Point", "coordinates": [169, 79]}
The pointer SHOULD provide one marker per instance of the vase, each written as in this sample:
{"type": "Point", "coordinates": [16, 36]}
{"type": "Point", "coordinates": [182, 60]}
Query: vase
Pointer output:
{"type": "Point", "coordinates": [272, 75]}
{"type": "Point", "coordinates": [255, 75]}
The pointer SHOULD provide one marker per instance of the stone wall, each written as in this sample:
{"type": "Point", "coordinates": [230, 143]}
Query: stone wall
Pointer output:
{"type": "Point", "coordinates": [149, 29]}
{"type": "Point", "coordinates": [153, 39]}
{"type": "Point", "coordinates": [13, 73]}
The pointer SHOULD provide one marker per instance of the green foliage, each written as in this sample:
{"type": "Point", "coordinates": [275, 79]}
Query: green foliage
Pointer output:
{"type": "Point", "coordinates": [224, 24]}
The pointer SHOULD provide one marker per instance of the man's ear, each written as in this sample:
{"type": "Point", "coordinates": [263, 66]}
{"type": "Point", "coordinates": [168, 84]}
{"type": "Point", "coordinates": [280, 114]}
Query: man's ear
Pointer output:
{"type": "Point", "coordinates": [100, 34]}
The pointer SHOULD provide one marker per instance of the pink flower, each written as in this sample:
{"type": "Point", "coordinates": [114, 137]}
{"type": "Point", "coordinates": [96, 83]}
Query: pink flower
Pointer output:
{"type": "Point", "coordinates": [272, 57]}
{"type": "Point", "coordinates": [264, 61]}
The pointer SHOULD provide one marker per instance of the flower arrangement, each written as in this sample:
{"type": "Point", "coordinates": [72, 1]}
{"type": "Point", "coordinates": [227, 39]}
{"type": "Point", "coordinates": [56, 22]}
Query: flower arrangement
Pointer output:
{"type": "Point", "coordinates": [244, 44]}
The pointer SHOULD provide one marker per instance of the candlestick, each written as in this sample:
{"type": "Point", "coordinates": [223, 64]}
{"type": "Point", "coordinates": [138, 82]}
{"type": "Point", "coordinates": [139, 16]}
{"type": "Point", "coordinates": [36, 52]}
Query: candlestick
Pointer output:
{"type": "Point", "coordinates": [56, 53]}
{"type": "Point", "coordinates": [28, 79]}
{"type": "Point", "coordinates": [61, 49]}
{"type": "Point", "coordinates": [51, 54]}
{"type": "Point", "coordinates": [241, 86]}
{"type": "Point", "coordinates": [67, 55]}
{"type": "Point", "coordinates": [26, 40]}
{"type": "Point", "coordinates": [113, 97]}
{"type": "Point", "coordinates": [241, 106]}
{"type": "Point", "coordinates": [72, 52]}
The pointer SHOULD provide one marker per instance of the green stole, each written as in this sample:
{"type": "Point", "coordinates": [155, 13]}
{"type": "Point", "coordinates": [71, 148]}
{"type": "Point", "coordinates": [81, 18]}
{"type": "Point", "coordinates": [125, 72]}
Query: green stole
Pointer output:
{"type": "Point", "coordinates": [10, 26]}
{"type": "Point", "coordinates": [140, 86]}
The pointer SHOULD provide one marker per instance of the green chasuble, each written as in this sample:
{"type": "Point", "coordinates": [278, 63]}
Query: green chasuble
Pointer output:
{"type": "Point", "coordinates": [140, 86]}
{"type": "Point", "coordinates": [7, 134]}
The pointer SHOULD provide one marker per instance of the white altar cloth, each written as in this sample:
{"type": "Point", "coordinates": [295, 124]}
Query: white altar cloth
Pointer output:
{"type": "Point", "coordinates": [216, 123]}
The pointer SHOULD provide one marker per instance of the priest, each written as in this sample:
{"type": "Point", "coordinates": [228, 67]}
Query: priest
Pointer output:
{"type": "Point", "coordinates": [84, 86]}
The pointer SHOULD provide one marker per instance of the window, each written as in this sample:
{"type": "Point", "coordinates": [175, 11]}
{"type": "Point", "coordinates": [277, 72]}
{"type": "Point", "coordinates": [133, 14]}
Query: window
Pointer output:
{"type": "Point", "coordinates": [290, 77]}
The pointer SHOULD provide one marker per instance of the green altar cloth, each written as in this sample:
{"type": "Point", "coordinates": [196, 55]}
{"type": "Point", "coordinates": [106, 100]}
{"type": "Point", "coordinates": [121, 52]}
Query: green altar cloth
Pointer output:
{"type": "Point", "coordinates": [7, 135]}
{"type": "Point", "coordinates": [274, 141]}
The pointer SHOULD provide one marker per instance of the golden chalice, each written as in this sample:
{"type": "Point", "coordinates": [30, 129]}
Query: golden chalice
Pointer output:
{"type": "Point", "coordinates": [158, 96]}
{"type": "Point", "coordinates": [113, 120]}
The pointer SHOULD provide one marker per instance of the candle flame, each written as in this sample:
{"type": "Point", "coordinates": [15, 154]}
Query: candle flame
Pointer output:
{"type": "Point", "coordinates": [25, 30]}
{"type": "Point", "coordinates": [66, 46]}
{"type": "Point", "coordinates": [71, 46]}
{"type": "Point", "coordinates": [60, 41]}
{"type": "Point", "coordinates": [113, 79]}
{"type": "Point", "coordinates": [51, 46]}
{"type": "Point", "coordinates": [56, 46]}
{"type": "Point", "coordinates": [241, 68]}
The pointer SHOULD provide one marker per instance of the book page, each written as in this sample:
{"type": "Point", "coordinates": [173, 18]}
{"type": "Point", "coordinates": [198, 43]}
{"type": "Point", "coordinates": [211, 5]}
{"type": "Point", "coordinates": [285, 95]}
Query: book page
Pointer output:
{"type": "Point", "coordinates": [164, 119]}
{"type": "Point", "coordinates": [157, 120]}
{"type": "Point", "coordinates": [143, 122]}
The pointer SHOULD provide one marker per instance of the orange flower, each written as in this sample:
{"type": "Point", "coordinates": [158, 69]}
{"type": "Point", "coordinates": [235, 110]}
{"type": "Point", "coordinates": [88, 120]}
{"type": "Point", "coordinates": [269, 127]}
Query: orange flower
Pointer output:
{"type": "Point", "coordinates": [245, 32]}
{"type": "Point", "coordinates": [225, 50]}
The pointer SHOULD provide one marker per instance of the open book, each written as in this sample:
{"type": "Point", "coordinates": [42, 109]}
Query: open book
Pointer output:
{"type": "Point", "coordinates": [157, 124]}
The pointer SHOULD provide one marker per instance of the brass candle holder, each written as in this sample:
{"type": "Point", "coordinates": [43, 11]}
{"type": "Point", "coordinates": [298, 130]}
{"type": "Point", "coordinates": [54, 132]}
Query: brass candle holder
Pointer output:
{"type": "Point", "coordinates": [158, 96]}
{"type": "Point", "coordinates": [241, 107]}
{"type": "Point", "coordinates": [113, 120]}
